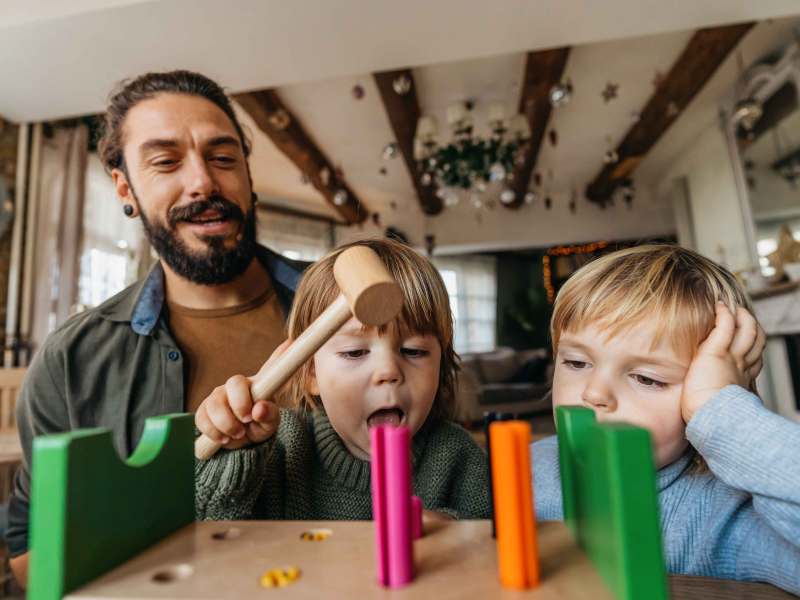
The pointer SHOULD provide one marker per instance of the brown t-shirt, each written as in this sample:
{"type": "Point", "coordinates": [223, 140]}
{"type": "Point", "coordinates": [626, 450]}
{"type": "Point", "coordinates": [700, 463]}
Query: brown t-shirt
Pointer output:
{"type": "Point", "coordinates": [219, 343]}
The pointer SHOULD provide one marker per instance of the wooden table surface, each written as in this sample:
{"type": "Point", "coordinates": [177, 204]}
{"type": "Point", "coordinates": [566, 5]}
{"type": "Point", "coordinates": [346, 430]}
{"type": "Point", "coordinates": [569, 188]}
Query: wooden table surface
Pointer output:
{"type": "Point", "coordinates": [453, 560]}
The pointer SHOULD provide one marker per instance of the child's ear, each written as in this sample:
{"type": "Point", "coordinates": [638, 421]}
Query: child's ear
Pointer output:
{"type": "Point", "coordinates": [312, 387]}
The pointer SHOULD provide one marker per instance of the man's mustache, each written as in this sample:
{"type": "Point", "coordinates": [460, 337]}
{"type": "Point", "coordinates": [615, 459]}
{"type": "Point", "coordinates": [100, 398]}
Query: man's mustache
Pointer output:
{"type": "Point", "coordinates": [226, 209]}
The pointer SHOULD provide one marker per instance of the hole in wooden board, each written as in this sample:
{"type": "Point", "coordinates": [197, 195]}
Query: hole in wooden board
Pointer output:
{"type": "Point", "coordinates": [174, 573]}
{"type": "Point", "coordinates": [316, 535]}
{"type": "Point", "coordinates": [228, 534]}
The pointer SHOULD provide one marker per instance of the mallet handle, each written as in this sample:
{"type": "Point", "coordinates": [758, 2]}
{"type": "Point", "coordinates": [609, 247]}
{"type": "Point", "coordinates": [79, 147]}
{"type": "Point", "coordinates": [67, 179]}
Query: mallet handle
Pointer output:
{"type": "Point", "coordinates": [266, 383]}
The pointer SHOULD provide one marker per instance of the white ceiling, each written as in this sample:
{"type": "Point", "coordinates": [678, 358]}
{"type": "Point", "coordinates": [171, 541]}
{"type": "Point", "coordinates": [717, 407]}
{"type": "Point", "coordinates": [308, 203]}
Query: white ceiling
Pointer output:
{"type": "Point", "coordinates": [60, 59]}
{"type": "Point", "coordinates": [315, 54]}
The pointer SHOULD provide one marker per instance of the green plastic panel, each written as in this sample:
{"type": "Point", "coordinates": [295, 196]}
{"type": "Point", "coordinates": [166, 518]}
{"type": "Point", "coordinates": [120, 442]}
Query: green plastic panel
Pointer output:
{"type": "Point", "coordinates": [90, 511]}
{"type": "Point", "coordinates": [610, 501]}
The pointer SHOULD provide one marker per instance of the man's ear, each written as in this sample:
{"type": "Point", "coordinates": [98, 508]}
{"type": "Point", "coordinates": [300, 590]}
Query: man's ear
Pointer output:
{"type": "Point", "coordinates": [124, 190]}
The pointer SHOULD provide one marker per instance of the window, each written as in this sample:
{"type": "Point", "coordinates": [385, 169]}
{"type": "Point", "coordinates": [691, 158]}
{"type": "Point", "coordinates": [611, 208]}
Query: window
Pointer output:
{"type": "Point", "coordinates": [112, 243]}
{"type": "Point", "coordinates": [471, 282]}
{"type": "Point", "coordinates": [294, 237]}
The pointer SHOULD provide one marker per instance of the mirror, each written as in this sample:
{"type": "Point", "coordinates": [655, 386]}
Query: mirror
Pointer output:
{"type": "Point", "coordinates": [766, 128]}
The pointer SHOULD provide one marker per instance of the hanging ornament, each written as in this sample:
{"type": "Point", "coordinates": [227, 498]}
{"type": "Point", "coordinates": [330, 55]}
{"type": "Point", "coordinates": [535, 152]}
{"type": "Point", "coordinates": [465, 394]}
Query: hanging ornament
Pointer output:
{"type": "Point", "coordinates": [280, 119]}
{"type": "Point", "coordinates": [490, 204]}
{"type": "Point", "coordinates": [497, 172]}
{"type": "Point", "coordinates": [573, 202]}
{"type": "Point", "coordinates": [338, 172]}
{"type": "Point", "coordinates": [537, 179]}
{"type": "Point", "coordinates": [393, 205]}
{"type": "Point", "coordinates": [481, 186]}
{"type": "Point", "coordinates": [507, 196]}
{"type": "Point", "coordinates": [636, 116]}
{"type": "Point", "coordinates": [451, 198]}
{"type": "Point", "coordinates": [610, 92]}
{"type": "Point", "coordinates": [560, 94]}
{"type": "Point", "coordinates": [401, 84]}
{"type": "Point", "coordinates": [672, 110]}
{"type": "Point", "coordinates": [610, 157]}
{"type": "Point", "coordinates": [548, 203]}
{"type": "Point", "coordinates": [382, 171]}
{"type": "Point", "coordinates": [376, 219]}
{"type": "Point", "coordinates": [426, 179]}
{"type": "Point", "coordinates": [530, 198]}
{"type": "Point", "coordinates": [325, 176]}
{"type": "Point", "coordinates": [430, 244]}
{"type": "Point", "coordinates": [389, 151]}
{"type": "Point", "coordinates": [553, 135]}
{"type": "Point", "coordinates": [340, 198]}
{"type": "Point", "coordinates": [357, 91]}
{"type": "Point", "coordinates": [509, 177]}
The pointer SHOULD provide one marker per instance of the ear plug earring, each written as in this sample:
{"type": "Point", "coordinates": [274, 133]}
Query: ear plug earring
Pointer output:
{"type": "Point", "coordinates": [128, 210]}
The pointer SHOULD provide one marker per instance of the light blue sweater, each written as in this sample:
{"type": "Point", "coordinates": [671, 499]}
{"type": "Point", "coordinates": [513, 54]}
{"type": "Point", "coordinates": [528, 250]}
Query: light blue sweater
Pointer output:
{"type": "Point", "coordinates": [741, 520]}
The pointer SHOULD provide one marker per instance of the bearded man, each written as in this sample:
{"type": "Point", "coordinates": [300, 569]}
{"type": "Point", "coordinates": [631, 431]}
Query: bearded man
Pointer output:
{"type": "Point", "coordinates": [212, 306]}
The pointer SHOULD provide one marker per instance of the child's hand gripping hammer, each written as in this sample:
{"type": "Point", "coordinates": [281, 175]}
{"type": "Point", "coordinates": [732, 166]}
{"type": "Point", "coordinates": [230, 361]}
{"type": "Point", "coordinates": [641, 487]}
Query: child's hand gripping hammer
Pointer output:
{"type": "Point", "coordinates": [368, 293]}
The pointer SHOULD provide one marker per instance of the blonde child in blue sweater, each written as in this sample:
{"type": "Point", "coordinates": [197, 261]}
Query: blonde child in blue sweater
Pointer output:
{"type": "Point", "coordinates": [663, 338]}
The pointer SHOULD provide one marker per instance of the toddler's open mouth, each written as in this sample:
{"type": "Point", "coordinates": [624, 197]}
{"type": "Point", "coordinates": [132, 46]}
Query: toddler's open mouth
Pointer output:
{"type": "Point", "coordinates": [386, 416]}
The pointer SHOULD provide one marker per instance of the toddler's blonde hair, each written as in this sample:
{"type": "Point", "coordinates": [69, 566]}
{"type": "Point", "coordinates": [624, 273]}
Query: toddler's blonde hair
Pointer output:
{"type": "Point", "coordinates": [674, 286]}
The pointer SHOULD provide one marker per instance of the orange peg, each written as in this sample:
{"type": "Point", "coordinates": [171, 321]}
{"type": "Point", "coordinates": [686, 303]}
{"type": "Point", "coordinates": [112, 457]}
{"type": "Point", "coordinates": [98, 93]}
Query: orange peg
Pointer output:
{"type": "Point", "coordinates": [517, 552]}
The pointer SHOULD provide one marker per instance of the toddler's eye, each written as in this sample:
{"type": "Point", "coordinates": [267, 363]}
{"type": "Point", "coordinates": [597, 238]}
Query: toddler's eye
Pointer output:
{"type": "Point", "coordinates": [354, 353]}
{"type": "Point", "coordinates": [648, 381]}
{"type": "Point", "coordinates": [414, 352]}
{"type": "Point", "coordinates": [575, 364]}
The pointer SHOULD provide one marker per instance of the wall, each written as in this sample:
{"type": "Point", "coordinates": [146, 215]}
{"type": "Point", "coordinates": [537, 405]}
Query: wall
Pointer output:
{"type": "Point", "coordinates": [716, 213]}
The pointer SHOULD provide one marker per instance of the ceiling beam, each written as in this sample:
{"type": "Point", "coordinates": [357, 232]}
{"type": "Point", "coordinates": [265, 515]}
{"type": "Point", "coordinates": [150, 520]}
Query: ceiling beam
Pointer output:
{"type": "Point", "coordinates": [403, 112]}
{"type": "Point", "coordinates": [701, 57]}
{"type": "Point", "coordinates": [543, 70]}
{"type": "Point", "coordinates": [288, 134]}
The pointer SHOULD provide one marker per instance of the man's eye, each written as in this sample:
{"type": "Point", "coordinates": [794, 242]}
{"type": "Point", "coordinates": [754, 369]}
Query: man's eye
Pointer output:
{"type": "Point", "coordinates": [224, 160]}
{"type": "Point", "coordinates": [414, 352]}
{"type": "Point", "coordinates": [648, 381]}
{"type": "Point", "coordinates": [353, 353]}
{"type": "Point", "coordinates": [575, 364]}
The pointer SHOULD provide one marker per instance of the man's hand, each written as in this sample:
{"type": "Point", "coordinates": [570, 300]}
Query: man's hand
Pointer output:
{"type": "Point", "coordinates": [231, 418]}
{"type": "Point", "coordinates": [730, 355]}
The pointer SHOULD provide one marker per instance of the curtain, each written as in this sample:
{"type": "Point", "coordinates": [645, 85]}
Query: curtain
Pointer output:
{"type": "Point", "coordinates": [54, 241]}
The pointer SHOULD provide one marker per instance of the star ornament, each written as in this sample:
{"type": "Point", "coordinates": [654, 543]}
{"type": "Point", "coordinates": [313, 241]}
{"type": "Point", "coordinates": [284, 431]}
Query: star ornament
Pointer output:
{"type": "Point", "coordinates": [610, 92]}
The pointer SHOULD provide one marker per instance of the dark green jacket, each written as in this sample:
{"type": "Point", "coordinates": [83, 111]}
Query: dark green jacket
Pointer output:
{"type": "Point", "coordinates": [111, 366]}
{"type": "Point", "coordinates": [306, 472]}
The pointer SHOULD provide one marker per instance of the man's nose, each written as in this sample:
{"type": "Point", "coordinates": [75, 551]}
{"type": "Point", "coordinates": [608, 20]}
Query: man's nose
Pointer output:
{"type": "Point", "coordinates": [599, 395]}
{"type": "Point", "coordinates": [200, 179]}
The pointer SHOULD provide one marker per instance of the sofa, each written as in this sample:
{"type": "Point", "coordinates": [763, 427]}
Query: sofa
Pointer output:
{"type": "Point", "coordinates": [504, 380]}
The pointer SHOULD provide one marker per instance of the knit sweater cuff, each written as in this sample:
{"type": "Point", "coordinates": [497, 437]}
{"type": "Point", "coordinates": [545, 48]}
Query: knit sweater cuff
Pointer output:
{"type": "Point", "coordinates": [230, 478]}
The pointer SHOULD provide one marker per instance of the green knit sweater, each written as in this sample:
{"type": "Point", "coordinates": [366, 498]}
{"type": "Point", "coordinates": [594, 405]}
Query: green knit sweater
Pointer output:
{"type": "Point", "coordinates": [306, 472]}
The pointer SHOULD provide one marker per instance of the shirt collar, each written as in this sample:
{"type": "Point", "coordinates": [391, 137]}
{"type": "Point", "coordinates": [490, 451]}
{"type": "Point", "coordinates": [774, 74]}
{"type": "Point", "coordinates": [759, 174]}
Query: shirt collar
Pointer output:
{"type": "Point", "coordinates": [141, 304]}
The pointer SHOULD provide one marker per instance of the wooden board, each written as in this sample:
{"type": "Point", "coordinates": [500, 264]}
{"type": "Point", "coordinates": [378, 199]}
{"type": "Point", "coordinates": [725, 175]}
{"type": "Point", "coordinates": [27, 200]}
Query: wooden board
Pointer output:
{"type": "Point", "coordinates": [610, 501]}
{"type": "Point", "coordinates": [453, 560]}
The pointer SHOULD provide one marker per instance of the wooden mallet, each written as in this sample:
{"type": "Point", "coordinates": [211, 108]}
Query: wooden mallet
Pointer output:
{"type": "Point", "coordinates": [368, 293]}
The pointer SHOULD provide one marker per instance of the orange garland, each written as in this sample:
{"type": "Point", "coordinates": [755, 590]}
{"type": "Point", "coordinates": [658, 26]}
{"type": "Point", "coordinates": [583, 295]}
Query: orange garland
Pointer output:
{"type": "Point", "coordinates": [547, 271]}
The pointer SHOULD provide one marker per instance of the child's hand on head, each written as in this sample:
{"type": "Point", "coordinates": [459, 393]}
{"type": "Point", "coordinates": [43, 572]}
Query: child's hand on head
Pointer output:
{"type": "Point", "coordinates": [730, 355]}
{"type": "Point", "coordinates": [231, 418]}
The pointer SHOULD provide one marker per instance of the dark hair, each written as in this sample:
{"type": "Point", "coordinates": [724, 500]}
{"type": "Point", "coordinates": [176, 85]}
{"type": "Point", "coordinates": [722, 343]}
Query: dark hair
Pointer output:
{"type": "Point", "coordinates": [129, 93]}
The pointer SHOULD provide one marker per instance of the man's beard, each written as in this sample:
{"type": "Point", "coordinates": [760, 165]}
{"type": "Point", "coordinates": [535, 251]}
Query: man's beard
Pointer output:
{"type": "Point", "coordinates": [218, 264]}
